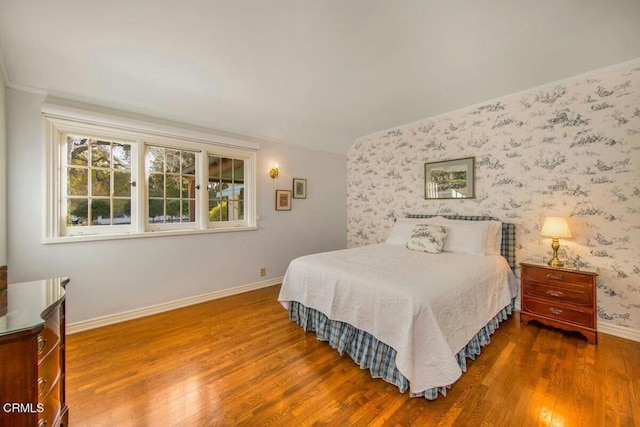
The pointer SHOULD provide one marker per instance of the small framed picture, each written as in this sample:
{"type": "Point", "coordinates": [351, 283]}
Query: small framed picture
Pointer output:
{"type": "Point", "coordinates": [299, 188]}
{"type": "Point", "coordinates": [283, 200]}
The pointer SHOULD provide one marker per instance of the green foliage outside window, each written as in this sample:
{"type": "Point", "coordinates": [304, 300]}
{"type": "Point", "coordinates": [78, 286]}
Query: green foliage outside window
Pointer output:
{"type": "Point", "coordinates": [219, 212]}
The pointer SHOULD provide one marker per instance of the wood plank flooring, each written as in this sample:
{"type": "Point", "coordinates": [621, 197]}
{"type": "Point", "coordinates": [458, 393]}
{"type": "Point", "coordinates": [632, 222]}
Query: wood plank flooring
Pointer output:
{"type": "Point", "coordinates": [240, 361]}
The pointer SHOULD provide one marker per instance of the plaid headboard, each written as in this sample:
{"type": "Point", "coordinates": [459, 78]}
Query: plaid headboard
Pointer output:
{"type": "Point", "coordinates": [508, 246]}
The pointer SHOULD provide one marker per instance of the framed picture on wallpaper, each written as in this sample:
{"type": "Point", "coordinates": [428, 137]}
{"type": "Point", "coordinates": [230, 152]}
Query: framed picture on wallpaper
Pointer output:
{"type": "Point", "coordinates": [283, 200]}
{"type": "Point", "coordinates": [450, 179]}
{"type": "Point", "coordinates": [299, 188]}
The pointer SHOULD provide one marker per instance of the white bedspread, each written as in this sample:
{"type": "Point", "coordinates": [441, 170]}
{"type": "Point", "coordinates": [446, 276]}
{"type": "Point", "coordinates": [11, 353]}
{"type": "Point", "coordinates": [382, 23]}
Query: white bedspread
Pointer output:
{"type": "Point", "coordinates": [425, 306]}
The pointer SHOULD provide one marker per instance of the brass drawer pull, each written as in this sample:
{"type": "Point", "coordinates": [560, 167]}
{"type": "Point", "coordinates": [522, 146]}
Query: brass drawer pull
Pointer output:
{"type": "Point", "coordinates": [42, 423]}
{"type": "Point", "coordinates": [555, 293]}
{"type": "Point", "coordinates": [41, 383]}
{"type": "Point", "coordinates": [555, 276]}
{"type": "Point", "coordinates": [41, 343]}
{"type": "Point", "coordinates": [555, 311]}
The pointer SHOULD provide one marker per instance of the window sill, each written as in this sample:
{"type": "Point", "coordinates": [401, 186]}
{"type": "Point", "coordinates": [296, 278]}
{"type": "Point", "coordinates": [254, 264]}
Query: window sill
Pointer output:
{"type": "Point", "coordinates": [134, 235]}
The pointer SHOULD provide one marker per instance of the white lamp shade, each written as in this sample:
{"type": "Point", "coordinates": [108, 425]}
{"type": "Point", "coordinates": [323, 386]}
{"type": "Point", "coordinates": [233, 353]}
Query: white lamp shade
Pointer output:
{"type": "Point", "coordinates": [555, 226]}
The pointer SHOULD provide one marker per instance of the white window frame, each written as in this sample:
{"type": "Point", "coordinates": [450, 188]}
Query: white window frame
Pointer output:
{"type": "Point", "coordinates": [249, 176]}
{"type": "Point", "coordinates": [91, 229]}
{"type": "Point", "coordinates": [171, 144]}
{"type": "Point", "coordinates": [61, 120]}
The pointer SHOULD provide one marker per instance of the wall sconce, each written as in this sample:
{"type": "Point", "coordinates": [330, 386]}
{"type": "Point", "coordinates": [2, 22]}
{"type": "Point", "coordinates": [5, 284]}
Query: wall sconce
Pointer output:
{"type": "Point", "coordinates": [555, 227]}
{"type": "Point", "coordinates": [273, 172]}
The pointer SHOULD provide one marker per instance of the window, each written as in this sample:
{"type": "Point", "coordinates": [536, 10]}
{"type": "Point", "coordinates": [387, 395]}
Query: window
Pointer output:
{"type": "Point", "coordinates": [171, 186]}
{"type": "Point", "coordinates": [97, 185]}
{"type": "Point", "coordinates": [226, 189]}
{"type": "Point", "coordinates": [111, 177]}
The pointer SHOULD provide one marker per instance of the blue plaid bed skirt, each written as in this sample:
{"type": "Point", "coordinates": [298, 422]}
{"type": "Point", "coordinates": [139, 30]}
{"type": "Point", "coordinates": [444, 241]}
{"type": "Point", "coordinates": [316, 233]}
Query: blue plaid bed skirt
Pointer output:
{"type": "Point", "coordinates": [370, 353]}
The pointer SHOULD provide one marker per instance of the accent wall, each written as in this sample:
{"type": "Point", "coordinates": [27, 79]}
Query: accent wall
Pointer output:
{"type": "Point", "coordinates": [571, 148]}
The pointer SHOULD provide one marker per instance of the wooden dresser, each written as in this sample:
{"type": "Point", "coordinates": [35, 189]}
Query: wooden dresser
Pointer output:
{"type": "Point", "coordinates": [559, 297]}
{"type": "Point", "coordinates": [32, 355]}
{"type": "Point", "coordinates": [3, 290]}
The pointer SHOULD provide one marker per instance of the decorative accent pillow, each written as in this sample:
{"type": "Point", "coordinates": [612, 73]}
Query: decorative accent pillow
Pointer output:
{"type": "Point", "coordinates": [428, 238]}
{"type": "Point", "coordinates": [402, 231]}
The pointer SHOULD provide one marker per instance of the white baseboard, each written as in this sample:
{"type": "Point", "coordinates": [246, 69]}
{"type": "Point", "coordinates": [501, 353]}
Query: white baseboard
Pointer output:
{"type": "Point", "coordinates": [619, 331]}
{"type": "Point", "coordinates": [85, 325]}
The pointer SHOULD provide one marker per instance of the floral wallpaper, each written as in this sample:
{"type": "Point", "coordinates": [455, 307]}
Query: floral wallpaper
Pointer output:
{"type": "Point", "coordinates": [568, 149]}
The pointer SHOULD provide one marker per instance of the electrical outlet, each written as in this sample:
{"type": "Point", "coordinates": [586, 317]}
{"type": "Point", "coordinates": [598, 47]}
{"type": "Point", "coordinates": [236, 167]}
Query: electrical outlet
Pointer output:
{"type": "Point", "coordinates": [263, 271]}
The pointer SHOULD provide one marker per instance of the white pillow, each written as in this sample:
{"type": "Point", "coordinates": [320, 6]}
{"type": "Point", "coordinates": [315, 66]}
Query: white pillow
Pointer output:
{"type": "Point", "coordinates": [402, 230]}
{"type": "Point", "coordinates": [487, 232]}
{"type": "Point", "coordinates": [464, 237]}
{"type": "Point", "coordinates": [494, 238]}
{"type": "Point", "coordinates": [469, 238]}
{"type": "Point", "coordinates": [428, 238]}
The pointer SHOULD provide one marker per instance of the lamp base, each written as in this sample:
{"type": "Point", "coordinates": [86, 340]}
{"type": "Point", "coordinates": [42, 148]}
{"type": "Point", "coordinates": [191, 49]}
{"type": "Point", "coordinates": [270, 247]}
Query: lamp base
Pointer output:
{"type": "Point", "coordinates": [555, 262]}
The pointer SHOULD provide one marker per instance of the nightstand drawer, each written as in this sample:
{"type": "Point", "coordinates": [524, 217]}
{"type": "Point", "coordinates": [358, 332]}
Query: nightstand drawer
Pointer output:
{"type": "Point", "coordinates": [547, 274]}
{"type": "Point", "coordinates": [571, 294]}
{"type": "Point", "coordinates": [559, 312]}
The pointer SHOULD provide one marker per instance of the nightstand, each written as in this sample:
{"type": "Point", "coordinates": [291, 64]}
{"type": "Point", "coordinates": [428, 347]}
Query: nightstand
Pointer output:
{"type": "Point", "coordinates": [563, 298]}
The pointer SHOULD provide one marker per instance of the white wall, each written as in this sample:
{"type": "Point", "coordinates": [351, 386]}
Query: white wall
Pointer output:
{"type": "Point", "coordinates": [109, 277]}
{"type": "Point", "coordinates": [3, 176]}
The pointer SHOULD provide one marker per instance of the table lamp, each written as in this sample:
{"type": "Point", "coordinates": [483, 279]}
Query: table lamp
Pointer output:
{"type": "Point", "coordinates": [555, 227]}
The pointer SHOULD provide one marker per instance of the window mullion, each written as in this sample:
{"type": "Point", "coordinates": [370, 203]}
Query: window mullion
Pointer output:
{"type": "Point", "coordinates": [89, 185]}
{"type": "Point", "coordinates": [111, 185]}
{"type": "Point", "coordinates": [138, 193]}
{"type": "Point", "coordinates": [164, 186]}
{"type": "Point", "coordinates": [61, 197]}
{"type": "Point", "coordinates": [202, 195]}
{"type": "Point", "coordinates": [250, 188]}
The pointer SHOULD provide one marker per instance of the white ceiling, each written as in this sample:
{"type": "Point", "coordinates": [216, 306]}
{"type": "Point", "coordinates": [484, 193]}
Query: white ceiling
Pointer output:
{"type": "Point", "coordinates": [316, 73]}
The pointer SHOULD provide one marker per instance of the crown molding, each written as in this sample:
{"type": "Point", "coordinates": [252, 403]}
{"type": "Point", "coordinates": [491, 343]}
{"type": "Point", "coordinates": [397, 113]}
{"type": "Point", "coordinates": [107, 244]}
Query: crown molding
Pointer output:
{"type": "Point", "coordinates": [63, 112]}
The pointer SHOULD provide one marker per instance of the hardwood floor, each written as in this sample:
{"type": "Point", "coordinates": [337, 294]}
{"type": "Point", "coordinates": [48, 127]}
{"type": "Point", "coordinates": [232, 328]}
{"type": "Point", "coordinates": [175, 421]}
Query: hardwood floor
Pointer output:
{"type": "Point", "coordinates": [240, 361]}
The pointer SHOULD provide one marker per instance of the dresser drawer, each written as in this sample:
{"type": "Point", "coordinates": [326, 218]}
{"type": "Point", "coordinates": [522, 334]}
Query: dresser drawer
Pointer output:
{"type": "Point", "coordinates": [52, 407]}
{"type": "Point", "coordinates": [50, 335]}
{"type": "Point", "coordinates": [3, 302]}
{"type": "Point", "coordinates": [560, 276]}
{"type": "Point", "coordinates": [48, 372]}
{"type": "Point", "coordinates": [571, 294]}
{"type": "Point", "coordinates": [559, 312]}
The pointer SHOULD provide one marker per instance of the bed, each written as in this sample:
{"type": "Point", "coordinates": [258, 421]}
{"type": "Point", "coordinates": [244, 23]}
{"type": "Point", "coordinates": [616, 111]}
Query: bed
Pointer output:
{"type": "Point", "coordinates": [414, 308]}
